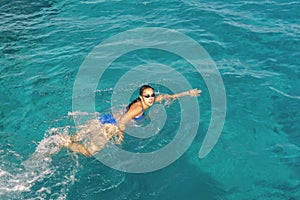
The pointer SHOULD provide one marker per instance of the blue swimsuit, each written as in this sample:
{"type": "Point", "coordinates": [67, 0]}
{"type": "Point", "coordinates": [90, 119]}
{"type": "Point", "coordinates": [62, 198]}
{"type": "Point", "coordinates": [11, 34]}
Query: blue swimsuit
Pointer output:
{"type": "Point", "coordinates": [141, 116]}
{"type": "Point", "coordinates": [109, 118]}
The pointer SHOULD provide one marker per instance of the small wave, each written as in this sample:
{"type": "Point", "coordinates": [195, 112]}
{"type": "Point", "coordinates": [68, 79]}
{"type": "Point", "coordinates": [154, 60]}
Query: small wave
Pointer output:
{"type": "Point", "coordinates": [284, 94]}
{"type": "Point", "coordinates": [76, 113]}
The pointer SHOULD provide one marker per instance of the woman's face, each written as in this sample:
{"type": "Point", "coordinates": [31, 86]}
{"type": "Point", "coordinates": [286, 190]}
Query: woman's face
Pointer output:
{"type": "Point", "coordinates": [148, 96]}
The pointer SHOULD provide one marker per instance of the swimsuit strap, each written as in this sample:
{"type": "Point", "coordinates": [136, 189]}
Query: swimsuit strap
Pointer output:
{"type": "Point", "coordinates": [143, 109]}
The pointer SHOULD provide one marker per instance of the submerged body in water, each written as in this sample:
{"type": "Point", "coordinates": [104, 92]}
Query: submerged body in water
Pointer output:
{"type": "Point", "coordinates": [91, 138]}
{"type": "Point", "coordinates": [95, 134]}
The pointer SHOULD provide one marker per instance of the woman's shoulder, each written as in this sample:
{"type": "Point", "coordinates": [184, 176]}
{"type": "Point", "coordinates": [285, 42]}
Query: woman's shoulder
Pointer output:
{"type": "Point", "coordinates": [135, 110]}
{"type": "Point", "coordinates": [137, 105]}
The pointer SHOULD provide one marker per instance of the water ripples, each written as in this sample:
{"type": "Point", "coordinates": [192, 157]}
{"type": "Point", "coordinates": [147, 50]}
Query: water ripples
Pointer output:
{"type": "Point", "coordinates": [43, 43]}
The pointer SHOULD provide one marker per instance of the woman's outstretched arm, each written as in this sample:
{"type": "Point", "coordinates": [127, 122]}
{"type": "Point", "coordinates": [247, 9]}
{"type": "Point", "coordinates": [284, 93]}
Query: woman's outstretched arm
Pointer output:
{"type": "Point", "coordinates": [193, 92]}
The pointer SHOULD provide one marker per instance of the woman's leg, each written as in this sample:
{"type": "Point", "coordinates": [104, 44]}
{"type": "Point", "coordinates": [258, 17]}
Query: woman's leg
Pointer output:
{"type": "Point", "coordinates": [79, 148]}
{"type": "Point", "coordinates": [67, 142]}
{"type": "Point", "coordinates": [112, 133]}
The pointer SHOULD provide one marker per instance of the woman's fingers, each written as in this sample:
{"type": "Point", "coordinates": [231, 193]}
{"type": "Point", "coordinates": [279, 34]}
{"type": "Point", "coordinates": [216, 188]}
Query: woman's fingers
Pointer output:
{"type": "Point", "coordinates": [195, 92]}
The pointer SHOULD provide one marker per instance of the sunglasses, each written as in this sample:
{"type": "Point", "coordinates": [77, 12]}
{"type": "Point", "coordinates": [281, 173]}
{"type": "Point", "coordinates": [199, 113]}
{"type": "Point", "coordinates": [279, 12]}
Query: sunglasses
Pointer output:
{"type": "Point", "coordinates": [148, 95]}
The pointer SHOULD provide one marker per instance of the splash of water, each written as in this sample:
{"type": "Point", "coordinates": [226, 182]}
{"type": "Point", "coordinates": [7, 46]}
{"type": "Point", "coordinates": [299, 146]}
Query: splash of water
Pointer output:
{"type": "Point", "coordinates": [18, 181]}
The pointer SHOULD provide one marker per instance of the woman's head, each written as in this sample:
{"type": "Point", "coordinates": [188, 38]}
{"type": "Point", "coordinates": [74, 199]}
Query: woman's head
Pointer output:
{"type": "Point", "coordinates": [144, 87]}
{"type": "Point", "coordinates": [147, 94]}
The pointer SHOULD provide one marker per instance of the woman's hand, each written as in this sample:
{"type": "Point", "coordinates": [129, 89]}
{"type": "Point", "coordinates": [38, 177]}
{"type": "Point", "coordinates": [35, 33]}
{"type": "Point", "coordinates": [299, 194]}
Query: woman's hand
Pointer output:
{"type": "Point", "coordinates": [194, 92]}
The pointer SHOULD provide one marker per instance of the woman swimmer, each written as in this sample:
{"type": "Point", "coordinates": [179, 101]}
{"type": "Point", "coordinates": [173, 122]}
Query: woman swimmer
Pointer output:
{"type": "Point", "coordinates": [111, 128]}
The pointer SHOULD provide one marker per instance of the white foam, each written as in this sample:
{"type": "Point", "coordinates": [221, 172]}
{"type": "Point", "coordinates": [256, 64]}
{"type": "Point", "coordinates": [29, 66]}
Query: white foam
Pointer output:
{"type": "Point", "coordinates": [34, 170]}
{"type": "Point", "coordinates": [2, 172]}
{"type": "Point", "coordinates": [77, 113]}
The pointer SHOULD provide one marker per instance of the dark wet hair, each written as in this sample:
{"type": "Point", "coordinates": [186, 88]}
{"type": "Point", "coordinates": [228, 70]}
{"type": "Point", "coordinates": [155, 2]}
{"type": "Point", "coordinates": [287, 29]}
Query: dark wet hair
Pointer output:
{"type": "Point", "coordinates": [142, 88]}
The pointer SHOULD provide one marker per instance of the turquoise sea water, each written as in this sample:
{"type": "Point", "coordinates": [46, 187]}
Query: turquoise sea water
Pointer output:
{"type": "Point", "coordinates": [255, 45]}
